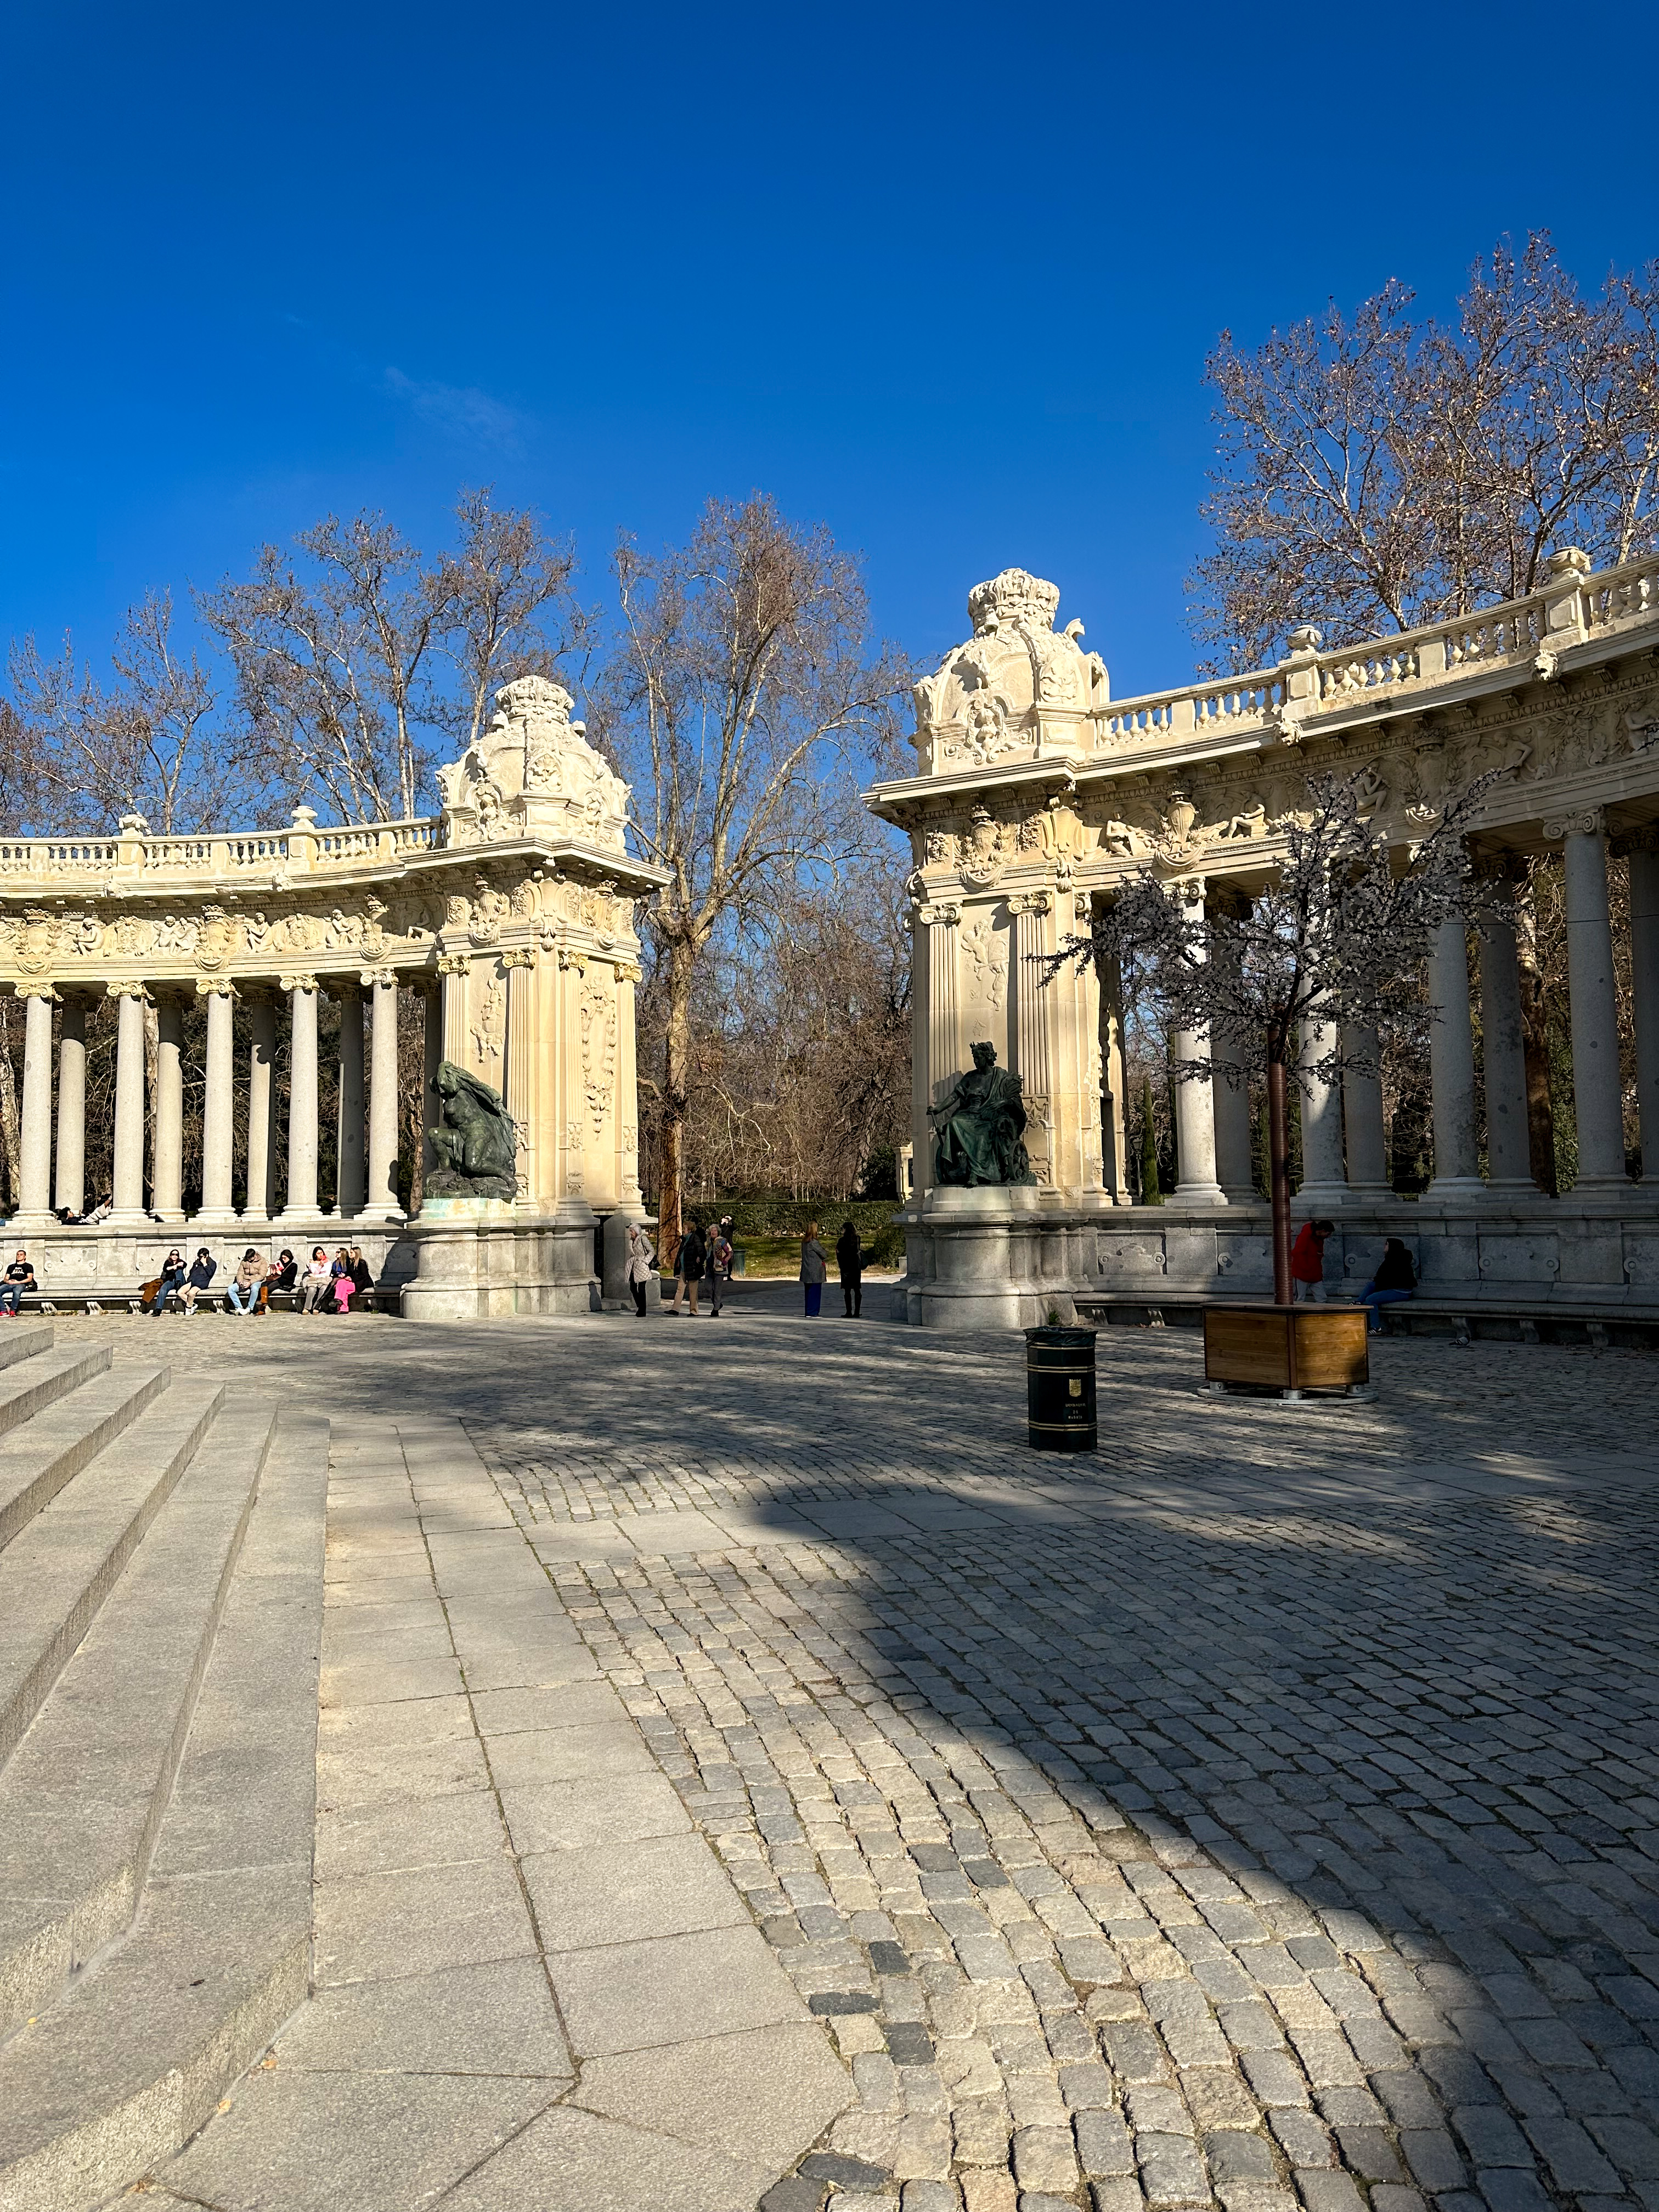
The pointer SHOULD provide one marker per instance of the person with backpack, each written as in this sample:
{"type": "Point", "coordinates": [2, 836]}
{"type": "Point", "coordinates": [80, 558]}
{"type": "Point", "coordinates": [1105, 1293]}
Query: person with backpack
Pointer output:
{"type": "Point", "coordinates": [720, 1267]}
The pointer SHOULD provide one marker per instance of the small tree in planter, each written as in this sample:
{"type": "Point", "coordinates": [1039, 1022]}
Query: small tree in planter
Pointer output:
{"type": "Point", "coordinates": [1334, 939]}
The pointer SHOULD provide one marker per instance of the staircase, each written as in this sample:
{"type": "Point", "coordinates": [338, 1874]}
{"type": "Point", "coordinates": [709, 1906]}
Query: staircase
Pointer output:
{"type": "Point", "coordinates": [161, 1603]}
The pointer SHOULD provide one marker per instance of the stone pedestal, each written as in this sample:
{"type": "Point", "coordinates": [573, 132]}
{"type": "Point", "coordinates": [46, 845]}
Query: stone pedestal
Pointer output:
{"type": "Point", "coordinates": [977, 1260]}
{"type": "Point", "coordinates": [478, 1258]}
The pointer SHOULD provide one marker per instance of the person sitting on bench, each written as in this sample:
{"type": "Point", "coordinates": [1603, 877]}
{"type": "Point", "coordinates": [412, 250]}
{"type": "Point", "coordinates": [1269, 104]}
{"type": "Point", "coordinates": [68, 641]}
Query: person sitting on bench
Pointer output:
{"type": "Point", "coordinates": [202, 1270]}
{"type": "Point", "coordinates": [281, 1276]}
{"type": "Point", "coordinates": [244, 1292]}
{"type": "Point", "coordinates": [172, 1278]}
{"type": "Point", "coordinates": [19, 1278]}
{"type": "Point", "coordinates": [1395, 1279]}
{"type": "Point", "coordinates": [317, 1281]}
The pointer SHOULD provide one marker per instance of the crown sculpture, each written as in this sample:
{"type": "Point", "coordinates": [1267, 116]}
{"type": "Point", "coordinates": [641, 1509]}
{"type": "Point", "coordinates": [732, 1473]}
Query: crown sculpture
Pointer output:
{"type": "Point", "coordinates": [533, 773]}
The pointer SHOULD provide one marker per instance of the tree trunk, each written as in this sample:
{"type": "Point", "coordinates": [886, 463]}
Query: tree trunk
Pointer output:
{"type": "Point", "coordinates": [1278, 1151]}
{"type": "Point", "coordinates": [675, 1098]}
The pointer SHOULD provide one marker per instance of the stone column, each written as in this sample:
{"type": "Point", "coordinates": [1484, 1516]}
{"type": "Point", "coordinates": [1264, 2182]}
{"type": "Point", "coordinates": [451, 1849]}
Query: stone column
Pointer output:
{"type": "Point", "coordinates": [518, 1076]}
{"type": "Point", "coordinates": [630, 1195]}
{"type": "Point", "coordinates": [167, 1140]}
{"type": "Point", "coordinates": [1367, 1152]}
{"type": "Point", "coordinates": [261, 1105]}
{"type": "Point", "coordinates": [381, 1203]}
{"type": "Point", "coordinates": [34, 1196]}
{"type": "Point", "coordinates": [1597, 1104]}
{"type": "Point", "coordinates": [1194, 1100]}
{"type": "Point", "coordinates": [348, 1153]}
{"type": "Point", "coordinates": [1031, 1056]}
{"type": "Point", "coordinates": [128, 1193]}
{"type": "Point", "coordinates": [1643, 851]}
{"type": "Point", "coordinates": [1231, 1104]}
{"type": "Point", "coordinates": [72, 1107]}
{"type": "Point", "coordinates": [432, 1052]}
{"type": "Point", "coordinates": [940, 919]}
{"type": "Point", "coordinates": [1451, 1066]}
{"type": "Point", "coordinates": [1503, 1046]}
{"type": "Point", "coordinates": [218, 1105]}
{"type": "Point", "coordinates": [1324, 1178]}
{"type": "Point", "coordinates": [1115, 1167]}
{"type": "Point", "coordinates": [301, 1100]}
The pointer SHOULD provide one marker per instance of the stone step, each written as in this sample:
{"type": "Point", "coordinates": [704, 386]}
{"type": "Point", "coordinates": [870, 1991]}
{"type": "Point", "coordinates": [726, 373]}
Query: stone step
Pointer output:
{"type": "Point", "coordinates": [27, 1386]}
{"type": "Point", "coordinates": [58, 1570]}
{"type": "Point", "coordinates": [82, 1794]}
{"type": "Point", "coordinates": [37, 1459]}
{"type": "Point", "coordinates": [125, 2066]}
{"type": "Point", "coordinates": [23, 1342]}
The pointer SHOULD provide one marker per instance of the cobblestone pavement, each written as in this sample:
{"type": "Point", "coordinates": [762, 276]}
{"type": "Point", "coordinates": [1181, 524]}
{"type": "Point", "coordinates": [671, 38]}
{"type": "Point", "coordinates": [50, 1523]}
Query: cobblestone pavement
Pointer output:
{"type": "Point", "coordinates": [1265, 1811]}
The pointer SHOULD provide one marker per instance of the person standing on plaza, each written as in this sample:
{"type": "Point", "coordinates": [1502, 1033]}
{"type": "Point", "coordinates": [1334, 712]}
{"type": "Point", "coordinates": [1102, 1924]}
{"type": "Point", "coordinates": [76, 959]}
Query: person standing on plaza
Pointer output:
{"type": "Point", "coordinates": [814, 1270]}
{"type": "Point", "coordinates": [689, 1268]}
{"type": "Point", "coordinates": [720, 1267]}
{"type": "Point", "coordinates": [1308, 1261]}
{"type": "Point", "coordinates": [640, 1254]}
{"type": "Point", "coordinates": [849, 1259]}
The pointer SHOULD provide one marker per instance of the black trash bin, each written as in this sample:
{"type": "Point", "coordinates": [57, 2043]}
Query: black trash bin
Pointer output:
{"type": "Point", "coordinates": [1060, 1389]}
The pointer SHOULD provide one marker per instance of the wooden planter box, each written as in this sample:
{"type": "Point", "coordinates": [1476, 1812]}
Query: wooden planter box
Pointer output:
{"type": "Point", "coordinates": [1286, 1347]}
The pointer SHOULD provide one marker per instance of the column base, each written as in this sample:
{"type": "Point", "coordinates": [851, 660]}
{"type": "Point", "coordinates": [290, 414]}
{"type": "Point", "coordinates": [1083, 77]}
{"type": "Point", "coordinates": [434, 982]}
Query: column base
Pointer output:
{"type": "Point", "coordinates": [1198, 1194]}
{"type": "Point", "coordinates": [29, 1224]}
{"type": "Point", "coordinates": [219, 1218]}
{"type": "Point", "coordinates": [1242, 1194]}
{"type": "Point", "coordinates": [1322, 1197]}
{"type": "Point", "coordinates": [1456, 1189]}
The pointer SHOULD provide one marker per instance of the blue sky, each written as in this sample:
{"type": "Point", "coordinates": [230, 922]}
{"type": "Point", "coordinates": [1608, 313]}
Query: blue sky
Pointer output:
{"type": "Point", "coordinates": [944, 278]}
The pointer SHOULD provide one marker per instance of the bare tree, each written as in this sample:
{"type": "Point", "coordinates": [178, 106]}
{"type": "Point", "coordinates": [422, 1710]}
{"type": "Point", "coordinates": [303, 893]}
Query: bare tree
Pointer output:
{"type": "Point", "coordinates": [87, 753]}
{"type": "Point", "coordinates": [1337, 936]}
{"type": "Point", "coordinates": [741, 690]}
{"type": "Point", "coordinates": [328, 664]}
{"type": "Point", "coordinates": [1378, 473]}
{"type": "Point", "coordinates": [499, 587]}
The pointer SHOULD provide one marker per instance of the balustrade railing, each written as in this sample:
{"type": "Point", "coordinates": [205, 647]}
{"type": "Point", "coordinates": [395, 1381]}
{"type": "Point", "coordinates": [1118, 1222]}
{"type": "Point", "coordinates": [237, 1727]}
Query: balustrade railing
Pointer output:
{"type": "Point", "coordinates": [229, 852]}
{"type": "Point", "coordinates": [1569, 610]}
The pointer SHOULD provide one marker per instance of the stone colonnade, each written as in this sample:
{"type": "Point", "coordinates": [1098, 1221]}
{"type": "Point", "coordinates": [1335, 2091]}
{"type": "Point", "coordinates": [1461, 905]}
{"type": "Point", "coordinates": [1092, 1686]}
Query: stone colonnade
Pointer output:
{"type": "Point", "coordinates": [366, 1181]}
{"type": "Point", "coordinates": [1344, 1155]}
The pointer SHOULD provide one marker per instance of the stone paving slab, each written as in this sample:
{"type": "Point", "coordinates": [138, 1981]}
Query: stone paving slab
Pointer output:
{"type": "Point", "coordinates": [1265, 1812]}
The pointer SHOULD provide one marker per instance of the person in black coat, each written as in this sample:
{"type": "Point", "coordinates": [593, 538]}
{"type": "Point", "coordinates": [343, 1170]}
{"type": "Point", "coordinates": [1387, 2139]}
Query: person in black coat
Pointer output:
{"type": "Point", "coordinates": [690, 1268]}
{"type": "Point", "coordinates": [849, 1259]}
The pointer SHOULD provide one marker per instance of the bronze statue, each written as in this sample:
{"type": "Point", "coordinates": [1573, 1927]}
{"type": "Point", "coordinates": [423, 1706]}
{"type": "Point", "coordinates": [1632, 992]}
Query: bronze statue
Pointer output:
{"type": "Point", "coordinates": [981, 1124]}
{"type": "Point", "coordinates": [476, 1140]}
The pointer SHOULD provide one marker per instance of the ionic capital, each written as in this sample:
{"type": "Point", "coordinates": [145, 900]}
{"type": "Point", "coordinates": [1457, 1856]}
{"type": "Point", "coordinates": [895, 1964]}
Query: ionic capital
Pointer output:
{"type": "Point", "coordinates": [1636, 840]}
{"type": "Point", "coordinates": [943, 913]}
{"type": "Point", "coordinates": [128, 988]}
{"type": "Point", "coordinates": [630, 971]}
{"type": "Point", "coordinates": [297, 982]}
{"type": "Point", "coordinates": [519, 956]}
{"type": "Point", "coordinates": [1030, 901]}
{"type": "Point", "coordinates": [215, 987]}
{"type": "Point", "coordinates": [455, 963]}
{"type": "Point", "coordinates": [372, 978]}
{"type": "Point", "coordinates": [39, 987]}
{"type": "Point", "coordinates": [1590, 821]}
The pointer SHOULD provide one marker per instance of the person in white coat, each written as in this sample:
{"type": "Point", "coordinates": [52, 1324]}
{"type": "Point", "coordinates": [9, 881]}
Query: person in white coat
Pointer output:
{"type": "Point", "coordinates": [640, 1254]}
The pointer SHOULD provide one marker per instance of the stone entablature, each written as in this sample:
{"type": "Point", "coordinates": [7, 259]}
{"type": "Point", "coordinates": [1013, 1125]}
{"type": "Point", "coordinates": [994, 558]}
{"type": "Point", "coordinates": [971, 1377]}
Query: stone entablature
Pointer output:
{"type": "Point", "coordinates": [1038, 796]}
{"type": "Point", "coordinates": [513, 910]}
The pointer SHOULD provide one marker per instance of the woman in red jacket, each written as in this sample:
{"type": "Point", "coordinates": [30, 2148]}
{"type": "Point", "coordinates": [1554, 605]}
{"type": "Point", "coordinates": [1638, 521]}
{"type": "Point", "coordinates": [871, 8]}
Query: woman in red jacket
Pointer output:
{"type": "Point", "coordinates": [1308, 1261]}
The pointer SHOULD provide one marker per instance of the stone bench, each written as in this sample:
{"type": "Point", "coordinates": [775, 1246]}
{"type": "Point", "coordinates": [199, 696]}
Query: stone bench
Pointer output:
{"type": "Point", "coordinates": [1466, 1313]}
